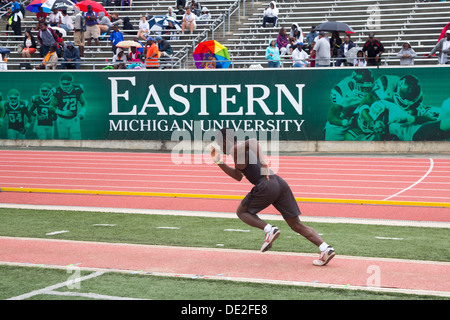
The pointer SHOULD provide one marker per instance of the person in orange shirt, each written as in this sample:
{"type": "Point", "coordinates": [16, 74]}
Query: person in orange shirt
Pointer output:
{"type": "Point", "coordinates": [152, 54]}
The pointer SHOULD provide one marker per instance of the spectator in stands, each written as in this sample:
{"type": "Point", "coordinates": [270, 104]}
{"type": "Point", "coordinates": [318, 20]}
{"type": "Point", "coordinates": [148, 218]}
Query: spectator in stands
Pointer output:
{"type": "Point", "coordinates": [181, 4]}
{"type": "Point", "coordinates": [139, 49]}
{"type": "Point", "coordinates": [311, 36]}
{"type": "Point", "coordinates": [120, 60]}
{"type": "Point", "coordinates": [171, 31]}
{"type": "Point", "coordinates": [78, 31]}
{"type": "Point", "coordinates": [360, 60]}
{"type": "Point", "coordinates": [91, 18]}
{"type": "Point", "coordinates": [133, 55]}
{"type": "Point", "coordinates": [29, 45]}
{"type": "Point", "coordinates": [322, 51]}
{"type": "Point", "coordinates": [296, 32]}
{"type": "Point", "coordinates": [127, 26]}
{"type": "Point", "coordinates": [292, 45]}
{"type": "Point", "coordinates": [312, 55]}
{"type": "Point", "coordinates": [270, 14]}
{"type": "Point", "coordinates": [282, 41]}
{"type": "Point", "coordinates": [104, 24]}
{"type": "Point", "coordinates": [3, 65]}
{"type": "Point", "coordinates": [299, 57]}
{"type": "Point", "coordinates": [170, 13]}
{"type": "Point", "coordinates": [345, 46]}
{"type": "Point", "coordinates": [144, 28]}
{"type": "Point", "coordinates": [54, 18]}
{"type": "Point", "coordinates": [41, 16]}
{"type": "Point", "coordinates": [71, 57]}
{"type": "Point", "coordinates": [151, 54]}
{"type": "Point", "coordinates": [209, 61]}
{"type": "Point", "coordinates": [164, 47]}
{"type": "Point", "coordinates": [188, 21]}
{"type": "Point", "coordinates": [50, 61]}
{"type": "Point", "coordinates": [66, 21]}
{"type": "Point", "coordinates": [47, 37]}
{"type": "Point", "coordinates": [204, 16]}
{"type": "Point", "coordinates": [335, 44]}
{"type": "Point", "coordinates": [273, 54]}
{"type": "Point", "coordinates": [373, 50]}
{"type": "Point", "coordinates": [115, 19]}
{"type": "Point", "coordinates": [196, 8]}
{"type": "Point", "coordinates": [16, 18]}
{"type": "Point", "coordinates": [126, 3]}
{"type": "Point", "coordinates": [406, 55]}
{"type": "Point", "coordinates": [443, 46]}
{"type": "Point", "coordinates": [115, 37]}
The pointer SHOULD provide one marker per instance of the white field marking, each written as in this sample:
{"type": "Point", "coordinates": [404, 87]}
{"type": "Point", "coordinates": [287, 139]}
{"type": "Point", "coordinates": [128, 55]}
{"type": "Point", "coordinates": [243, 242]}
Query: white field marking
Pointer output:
{"type": "Point", "coordinates": [236, 230]}
{"type": "Point", "coordinates": [88, 295]}
{"type": "Point", "coordinates": [415, 183]}
{"type": "Point", "coordinates": [170, 228]}
{"type": "Point", "coordinates": [56, 232]}
{"type": "Point", "coordinates": [56, 286]}
{"type": "Point", "coordinates": [388, 238]}
{"type": "Point", "coordinates": [103, 225]}
{"type": "Point", "coordinates": [230, 215]}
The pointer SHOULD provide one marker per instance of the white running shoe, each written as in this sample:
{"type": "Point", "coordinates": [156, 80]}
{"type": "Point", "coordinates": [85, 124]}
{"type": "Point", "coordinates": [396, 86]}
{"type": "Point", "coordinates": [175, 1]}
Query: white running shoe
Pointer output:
{"type": "Point", "coordinates": [271, 236]}
{"type": "Point", "coordinates": [325, 257]}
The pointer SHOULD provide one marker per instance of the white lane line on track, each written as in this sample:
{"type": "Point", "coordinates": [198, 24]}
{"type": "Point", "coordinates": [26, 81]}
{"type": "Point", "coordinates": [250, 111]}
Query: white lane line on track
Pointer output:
{"type": "Point", "coordinates": [415, 183]}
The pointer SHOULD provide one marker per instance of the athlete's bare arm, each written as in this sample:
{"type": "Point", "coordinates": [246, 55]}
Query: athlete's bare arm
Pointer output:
{"type": "Point", "coordinates": [234, 173]}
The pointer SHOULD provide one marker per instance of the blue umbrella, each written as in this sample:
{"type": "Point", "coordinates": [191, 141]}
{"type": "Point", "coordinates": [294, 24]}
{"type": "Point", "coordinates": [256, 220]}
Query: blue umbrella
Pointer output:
{"type": "Point", "coordinates": [159, 23]}
{"type": "Point", "coordinates": [35, 5]}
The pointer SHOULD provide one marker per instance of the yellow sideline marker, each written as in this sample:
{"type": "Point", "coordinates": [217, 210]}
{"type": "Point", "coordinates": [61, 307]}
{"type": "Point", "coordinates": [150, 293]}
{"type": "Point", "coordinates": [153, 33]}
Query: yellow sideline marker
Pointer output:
{"type": "Point", "coordinates": [225, 197]}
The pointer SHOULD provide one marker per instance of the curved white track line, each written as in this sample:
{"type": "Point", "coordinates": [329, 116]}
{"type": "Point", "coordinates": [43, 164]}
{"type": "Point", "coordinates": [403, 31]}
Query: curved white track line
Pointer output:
{"type": "Point", "coordinates": [415, 183]}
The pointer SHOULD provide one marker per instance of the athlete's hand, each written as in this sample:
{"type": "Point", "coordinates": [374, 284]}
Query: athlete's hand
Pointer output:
{"type": "Point", "coordinates": [215, 154]}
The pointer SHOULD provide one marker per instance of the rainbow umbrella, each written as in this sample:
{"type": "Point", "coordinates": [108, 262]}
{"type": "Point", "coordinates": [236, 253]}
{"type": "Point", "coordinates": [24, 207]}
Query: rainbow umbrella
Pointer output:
{"type": "Point", "coordinates": [212, 46]}
{"type": "Point", "coordinates": [36, 4]}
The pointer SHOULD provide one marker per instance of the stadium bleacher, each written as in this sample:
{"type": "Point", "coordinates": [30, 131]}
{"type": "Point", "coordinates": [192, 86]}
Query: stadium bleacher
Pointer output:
{"type": "Point", "coordinates": [238, 25]}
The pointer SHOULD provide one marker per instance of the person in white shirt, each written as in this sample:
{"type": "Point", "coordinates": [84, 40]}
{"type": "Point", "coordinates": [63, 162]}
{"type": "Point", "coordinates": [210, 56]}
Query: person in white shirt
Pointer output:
{"type": "Point", "coordinates": [444, 47]}
{"type": "Point", "coordinates": [144, 28]}
{"type": "Point", "coordinates": [54, 18]}
{"type": "Point", "coordinates": [188, 21]}
{"type": "Point", "coordinates": [299, 57]}
{"type": "Point", "coordinates": [360, 60]}
{"type": "Point", "coordinates": [322, 51]}
{"type": "Point", "coordinates": [270, 14]}
{"type": "Point", "coordinates": [3, 65]}
{"type": "Point", "coordinates": [66, 21]}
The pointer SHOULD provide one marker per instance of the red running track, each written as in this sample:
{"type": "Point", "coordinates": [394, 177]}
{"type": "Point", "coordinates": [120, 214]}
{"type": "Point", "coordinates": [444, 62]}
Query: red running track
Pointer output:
{"type": "Point", "coordinates": [367, 178]}
{"type": "Point", "coordinates": [232, 264]}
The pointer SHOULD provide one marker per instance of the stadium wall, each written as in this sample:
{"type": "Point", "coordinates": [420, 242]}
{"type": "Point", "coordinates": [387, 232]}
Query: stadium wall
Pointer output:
{"type": "Point", "coordinates": [155, 110]}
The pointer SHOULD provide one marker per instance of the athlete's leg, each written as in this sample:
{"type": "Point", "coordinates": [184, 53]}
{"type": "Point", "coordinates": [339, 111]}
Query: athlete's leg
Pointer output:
{"type": "Point", "coordinates": [249, 218]}
{"type": "Point", "coordinates": [307, 232]}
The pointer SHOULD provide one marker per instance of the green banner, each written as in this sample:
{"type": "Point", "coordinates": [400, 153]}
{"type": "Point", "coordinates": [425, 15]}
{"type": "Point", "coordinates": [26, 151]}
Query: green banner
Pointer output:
{"type": "Point", "coordinates": [306, 104]}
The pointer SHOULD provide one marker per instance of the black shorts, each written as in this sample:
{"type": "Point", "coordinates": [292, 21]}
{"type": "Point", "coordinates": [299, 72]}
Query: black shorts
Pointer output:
{"type": "Point", "coordinates": [275, 191]}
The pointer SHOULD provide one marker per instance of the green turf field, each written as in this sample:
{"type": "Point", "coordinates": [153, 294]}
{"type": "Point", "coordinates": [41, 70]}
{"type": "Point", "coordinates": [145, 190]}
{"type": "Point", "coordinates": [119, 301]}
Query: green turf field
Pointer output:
{"type": "Point", "coordinates": [348, 239]}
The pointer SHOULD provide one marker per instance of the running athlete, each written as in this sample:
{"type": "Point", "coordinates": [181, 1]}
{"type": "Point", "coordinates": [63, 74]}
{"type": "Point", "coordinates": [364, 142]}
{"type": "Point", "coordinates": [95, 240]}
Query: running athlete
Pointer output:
{"type": "Point", "coordinates": [40, 108]}
{"type": "Point", "coordinates": [268, 189]}
{"type": "Point", "coordinates": [17, 113]}
{"type": "Point", "coordinates": [69, 104]}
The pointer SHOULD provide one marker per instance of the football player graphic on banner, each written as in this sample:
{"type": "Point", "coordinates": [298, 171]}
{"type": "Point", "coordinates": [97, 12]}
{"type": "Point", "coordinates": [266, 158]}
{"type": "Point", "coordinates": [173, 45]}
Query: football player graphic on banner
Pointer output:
{"type": "Point", "coordinates": [69, 104]}
{"type": "Point", "coordinates": [16, 113]}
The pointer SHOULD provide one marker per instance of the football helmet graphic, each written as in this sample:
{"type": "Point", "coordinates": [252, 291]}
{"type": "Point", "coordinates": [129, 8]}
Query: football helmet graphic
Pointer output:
{"type": "Point", "coordinates": [408, 94]}
{"type": "Point", "coordinates": [66, 82]}
{"type": "Point", "coordinates": [363, 80]}
{"type": "Point", "coordinates": [46, 90]}
{"type": "Point", "coordinates": [13, 96]}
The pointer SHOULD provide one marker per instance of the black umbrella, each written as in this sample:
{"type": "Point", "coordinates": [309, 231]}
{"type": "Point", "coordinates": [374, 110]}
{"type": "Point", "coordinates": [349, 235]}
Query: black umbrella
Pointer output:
{"type": "Point", "coordinates": [4, 50]}
{"type": "Point", "coordinates": [334, 26]}
{"type": "Point", "coordinates": [58, 4]}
